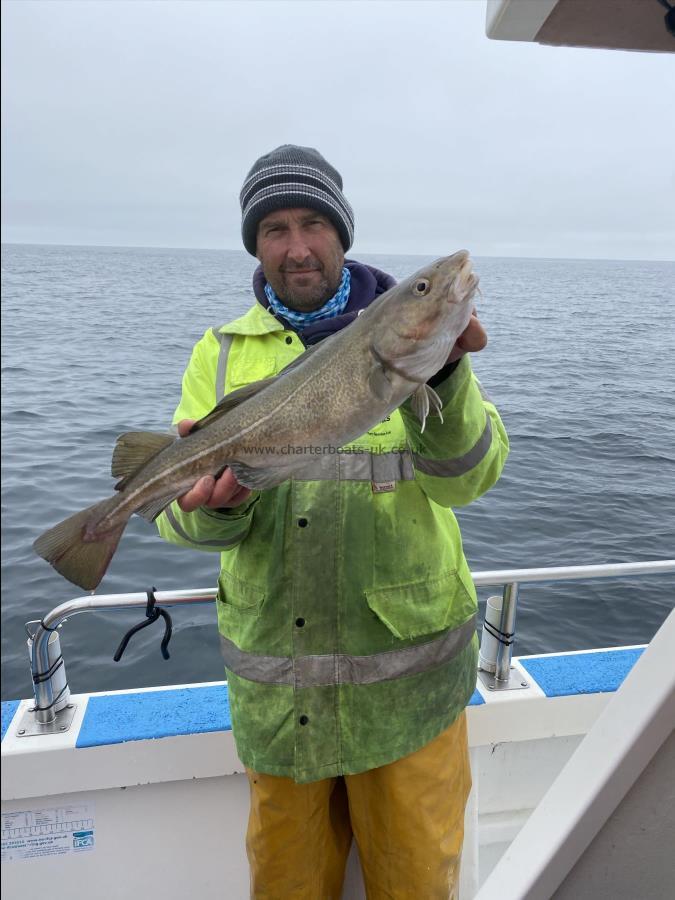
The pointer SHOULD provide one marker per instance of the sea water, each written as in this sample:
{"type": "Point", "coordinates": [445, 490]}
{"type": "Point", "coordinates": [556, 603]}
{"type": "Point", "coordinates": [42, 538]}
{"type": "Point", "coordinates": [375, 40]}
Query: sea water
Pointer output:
{"type": "Point", "coordinates": [580, 364]}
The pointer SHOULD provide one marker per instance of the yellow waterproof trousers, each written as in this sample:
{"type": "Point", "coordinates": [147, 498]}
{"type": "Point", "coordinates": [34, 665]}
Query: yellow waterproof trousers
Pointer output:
{"type": "Point", "coordinates": [407, 818]}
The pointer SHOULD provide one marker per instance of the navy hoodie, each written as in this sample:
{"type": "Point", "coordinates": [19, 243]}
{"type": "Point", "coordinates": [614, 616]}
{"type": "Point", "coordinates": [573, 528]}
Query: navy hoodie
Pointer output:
{"type": "Point", "coordinates": [367, 284]}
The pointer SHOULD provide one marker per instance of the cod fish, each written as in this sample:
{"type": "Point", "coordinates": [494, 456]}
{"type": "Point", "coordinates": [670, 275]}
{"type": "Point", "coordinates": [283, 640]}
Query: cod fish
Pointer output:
{"type": "Point", "coordinates": [331, 395]}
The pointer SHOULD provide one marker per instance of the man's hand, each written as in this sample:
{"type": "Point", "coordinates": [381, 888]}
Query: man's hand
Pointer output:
{"type": "Point", "coordinates": [223, 492]}
{"type": "Point", "coordinates": [471, 340]}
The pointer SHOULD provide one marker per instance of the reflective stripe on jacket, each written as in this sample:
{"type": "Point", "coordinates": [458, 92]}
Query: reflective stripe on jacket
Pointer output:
{"type": "Point", "coordinates": [345, 605]}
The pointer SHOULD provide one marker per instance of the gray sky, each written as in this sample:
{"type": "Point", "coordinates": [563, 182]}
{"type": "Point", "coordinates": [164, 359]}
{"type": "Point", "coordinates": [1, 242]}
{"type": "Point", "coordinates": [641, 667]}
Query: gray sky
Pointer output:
{"type": "Point", "coordinates": [134, 123]}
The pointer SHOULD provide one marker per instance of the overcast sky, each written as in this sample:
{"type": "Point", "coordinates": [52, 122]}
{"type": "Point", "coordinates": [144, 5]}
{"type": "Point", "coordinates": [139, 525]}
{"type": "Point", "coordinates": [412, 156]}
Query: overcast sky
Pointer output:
{"type": "Point", "coordinates": [134, 123]}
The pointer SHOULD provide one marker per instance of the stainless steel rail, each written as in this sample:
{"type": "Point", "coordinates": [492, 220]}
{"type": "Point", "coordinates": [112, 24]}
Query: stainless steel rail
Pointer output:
{"type": "Point", "coordinates": [570, 573]}
{"type": "Point", "coordinates": [510, 578]}
{"type": "Point", "coordinates": [45, 712]}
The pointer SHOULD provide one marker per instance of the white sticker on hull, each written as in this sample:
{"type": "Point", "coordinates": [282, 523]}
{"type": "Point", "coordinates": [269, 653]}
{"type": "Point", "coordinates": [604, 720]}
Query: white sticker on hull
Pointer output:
{"type": "Point", "coordinates": [55, 831]}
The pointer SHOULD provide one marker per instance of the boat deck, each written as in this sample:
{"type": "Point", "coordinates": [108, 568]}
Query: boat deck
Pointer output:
{"type": "Point", "coordinates": [152, 776]}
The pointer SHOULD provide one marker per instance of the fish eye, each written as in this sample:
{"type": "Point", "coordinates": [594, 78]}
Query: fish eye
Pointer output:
{"type": "Point", "coordinates": [421, 287]}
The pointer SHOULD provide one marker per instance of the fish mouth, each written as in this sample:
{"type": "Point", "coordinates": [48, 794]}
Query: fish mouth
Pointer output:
{"type": "Point", "coordinates": [464, 280]}
{"type": "Point", "coordinates": [467, 280]}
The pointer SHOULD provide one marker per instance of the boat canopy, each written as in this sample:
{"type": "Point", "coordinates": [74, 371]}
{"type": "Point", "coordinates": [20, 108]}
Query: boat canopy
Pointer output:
{"type": "Point", "coordinates": [647, 25]}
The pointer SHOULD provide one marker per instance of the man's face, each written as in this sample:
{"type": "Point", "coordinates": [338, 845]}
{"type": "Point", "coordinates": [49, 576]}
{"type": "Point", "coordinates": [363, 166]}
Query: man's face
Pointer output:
{"type": "Point", "coordinates": [301, 256]}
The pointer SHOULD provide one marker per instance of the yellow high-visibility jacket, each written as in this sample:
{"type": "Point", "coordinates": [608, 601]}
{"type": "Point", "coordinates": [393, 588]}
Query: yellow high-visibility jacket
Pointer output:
{"type": "Point", "coordinates": [346, 608]}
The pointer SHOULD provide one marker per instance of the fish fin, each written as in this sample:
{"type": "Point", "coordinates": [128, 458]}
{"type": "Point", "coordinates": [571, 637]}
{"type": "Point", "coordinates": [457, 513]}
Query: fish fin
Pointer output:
{"type": "Point", "coordinates": [436, 403]}
{"type": "Point", "coordinates": [151, 510]}
{"type": "Point", "coordinates": [378, 382]}
{"type": "Point", "coordinates": [82, 561]}
{"type": "Point", "coordinates": [231, 401]}
{"type": "Point", "coordinates": [420, 404]}
{"type": "Point", "coordinates": [133, 450]}
{"type": "Point", "coordinates": [425, 402]}
{"type": "Point", "coordinates": [263, 478]}
{"type": "Point", "coordinates": [428, 356]}
{"type": "Point", "coordinates": [235, 398]}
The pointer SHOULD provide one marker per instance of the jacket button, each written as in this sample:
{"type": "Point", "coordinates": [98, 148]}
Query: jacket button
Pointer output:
{"type": "Point", "coordinates": [304, 720]}
{"type": "Point", "coordinates": [289, 339]}
{"type": "Point", "coordinates": [300, 623]}
{"type": "Point", "coordinates": [303, 523]}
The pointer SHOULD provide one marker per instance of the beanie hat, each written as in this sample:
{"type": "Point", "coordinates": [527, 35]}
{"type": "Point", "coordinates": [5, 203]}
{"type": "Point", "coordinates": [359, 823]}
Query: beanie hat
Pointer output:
{"type": "Point", "coordinates": [288, 177]}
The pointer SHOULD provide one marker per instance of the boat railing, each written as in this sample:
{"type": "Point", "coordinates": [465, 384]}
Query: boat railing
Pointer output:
{"type": "Point", "coordinates": [53, 712]}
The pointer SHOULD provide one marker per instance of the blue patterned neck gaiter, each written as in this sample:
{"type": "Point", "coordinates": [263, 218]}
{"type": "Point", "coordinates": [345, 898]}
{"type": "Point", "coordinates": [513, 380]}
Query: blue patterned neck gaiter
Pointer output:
{"type": "Point", "coordinates": [331, 308]}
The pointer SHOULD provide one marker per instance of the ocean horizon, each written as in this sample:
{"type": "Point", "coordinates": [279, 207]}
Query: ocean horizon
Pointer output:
{"type": "Point", "coordinates": [350, 254]}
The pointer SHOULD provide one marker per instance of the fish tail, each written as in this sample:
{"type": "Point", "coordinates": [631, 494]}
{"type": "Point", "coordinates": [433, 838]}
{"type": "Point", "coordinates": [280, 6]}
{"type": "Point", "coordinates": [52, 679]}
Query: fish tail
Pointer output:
{"type": "Point", "coordinates": [76, 551]}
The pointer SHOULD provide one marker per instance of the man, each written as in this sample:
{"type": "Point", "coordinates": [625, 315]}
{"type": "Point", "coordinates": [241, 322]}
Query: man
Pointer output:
{"type": "Point", "coordinates": [345, 604]}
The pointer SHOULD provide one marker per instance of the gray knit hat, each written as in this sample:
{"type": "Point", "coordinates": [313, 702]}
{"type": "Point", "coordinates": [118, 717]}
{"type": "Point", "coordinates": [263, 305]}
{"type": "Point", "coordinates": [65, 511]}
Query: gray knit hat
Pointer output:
{"type": "Point", "coordinates": [289, 177]}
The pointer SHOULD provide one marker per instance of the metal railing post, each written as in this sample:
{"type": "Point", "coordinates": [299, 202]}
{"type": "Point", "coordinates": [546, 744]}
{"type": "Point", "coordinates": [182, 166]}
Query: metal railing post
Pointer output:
{"type": "Point", "coordinates": [47, 666]}
{"type": "Point", "coordinates": [507, 627]}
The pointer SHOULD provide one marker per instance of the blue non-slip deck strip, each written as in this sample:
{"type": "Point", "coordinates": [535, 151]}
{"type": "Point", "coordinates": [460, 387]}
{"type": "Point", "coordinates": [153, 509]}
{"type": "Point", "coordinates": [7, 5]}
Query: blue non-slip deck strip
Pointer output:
{"type": "Point", "coordinates": [116, 718]}
{"type": "Point", "coordinates": [9, 707]}
{"type": "Point", "coordinates": [581, 673]}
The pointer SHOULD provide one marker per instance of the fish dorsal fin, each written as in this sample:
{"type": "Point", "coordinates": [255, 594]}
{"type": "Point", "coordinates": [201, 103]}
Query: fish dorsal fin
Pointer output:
{"type": "Point", "coordinates": [133, 450]}
{"type": "Point", "coordinates": [235, 398]}
{"type": "Point", "coordinates": [231, 401]}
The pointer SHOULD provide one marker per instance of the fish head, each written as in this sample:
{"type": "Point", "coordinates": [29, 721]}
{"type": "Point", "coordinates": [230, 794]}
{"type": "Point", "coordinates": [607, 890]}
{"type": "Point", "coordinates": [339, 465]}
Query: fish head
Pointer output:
{"type": "Point", "coordinates": [421, 318]}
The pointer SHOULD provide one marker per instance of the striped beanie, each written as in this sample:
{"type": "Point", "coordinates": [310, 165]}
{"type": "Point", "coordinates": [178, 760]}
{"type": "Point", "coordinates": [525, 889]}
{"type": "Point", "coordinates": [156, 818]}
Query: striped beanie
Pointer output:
{"type": "Point", "coordinates": [288, 177]}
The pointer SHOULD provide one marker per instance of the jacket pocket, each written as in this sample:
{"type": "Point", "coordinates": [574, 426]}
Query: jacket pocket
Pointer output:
{"type": "Point", "coordinates": [422, 607]}
{"type": "Point", "coordinates": [239, 596]}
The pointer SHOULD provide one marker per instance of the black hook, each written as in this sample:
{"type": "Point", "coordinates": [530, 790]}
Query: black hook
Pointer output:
{"type": "Point", "coordinates": [152, 613]}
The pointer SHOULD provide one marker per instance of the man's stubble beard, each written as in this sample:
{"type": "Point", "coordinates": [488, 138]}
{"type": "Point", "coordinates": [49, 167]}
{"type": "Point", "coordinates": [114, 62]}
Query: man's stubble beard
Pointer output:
{"type": "Point", "coordinates": [311, 298]}
{"type": "Point", "coordinates": [308, 299]}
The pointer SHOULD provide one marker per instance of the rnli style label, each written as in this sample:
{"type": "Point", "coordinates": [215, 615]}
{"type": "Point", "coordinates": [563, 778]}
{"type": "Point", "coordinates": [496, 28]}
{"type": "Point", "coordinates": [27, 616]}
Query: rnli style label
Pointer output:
{"type": "Point", "coordinates": [55, 831]}
{"type": "Point", "coordinates": [383, 487]}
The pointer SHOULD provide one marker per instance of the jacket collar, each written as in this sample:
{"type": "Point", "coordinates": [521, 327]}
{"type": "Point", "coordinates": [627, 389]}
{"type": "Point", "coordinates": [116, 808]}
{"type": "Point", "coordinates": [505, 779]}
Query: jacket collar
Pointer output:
{"type": "Point", "coordinates": [257, 320]}
{"type": "Point", "coordinates": [367, 284]}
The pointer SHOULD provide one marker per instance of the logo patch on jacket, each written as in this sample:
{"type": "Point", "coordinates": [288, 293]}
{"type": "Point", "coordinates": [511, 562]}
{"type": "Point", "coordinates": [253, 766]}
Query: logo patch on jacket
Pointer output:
{"type": "Point", "coordinates": [381, 487]}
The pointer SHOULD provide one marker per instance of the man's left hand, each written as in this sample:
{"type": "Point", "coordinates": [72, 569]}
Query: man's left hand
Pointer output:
{"type": "Point", "coordinates": [471, 340]}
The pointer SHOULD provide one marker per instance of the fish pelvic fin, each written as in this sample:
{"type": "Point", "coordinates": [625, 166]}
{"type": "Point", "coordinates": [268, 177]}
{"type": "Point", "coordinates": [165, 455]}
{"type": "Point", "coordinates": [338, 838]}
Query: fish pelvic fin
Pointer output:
{"type": "Point", "coordinates": [261, 479]}
{"type": "Point", "coordinates": [78, 557]}
{"type": "Point", "coordinates": [133, 450]}
{"type": "Point", "coordinates": [425, 402]}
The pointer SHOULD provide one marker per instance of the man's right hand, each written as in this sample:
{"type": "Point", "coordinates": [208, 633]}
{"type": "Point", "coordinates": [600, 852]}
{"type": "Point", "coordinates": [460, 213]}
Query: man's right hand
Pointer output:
{"type": "Point", "coordinates": [216, 493]}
